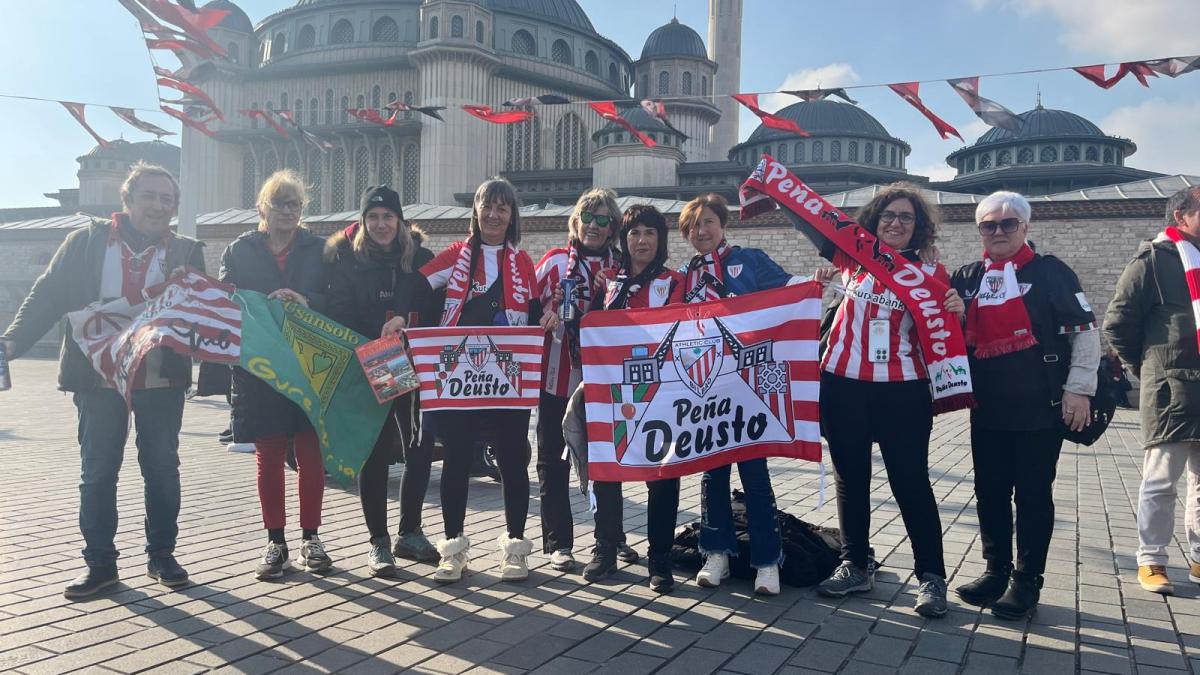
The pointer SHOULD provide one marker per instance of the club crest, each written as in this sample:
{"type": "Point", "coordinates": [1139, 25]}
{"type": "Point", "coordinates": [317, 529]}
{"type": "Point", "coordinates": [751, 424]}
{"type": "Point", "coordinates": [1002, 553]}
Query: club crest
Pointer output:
{"type": "Point", "coordinates": [995, 284]}
{"type": "Point", "coordinates": [734, 271]}
{"type": "Point", "coordinates": [698, 362]}
{"type": "Point", "coordinates": [477, 356]}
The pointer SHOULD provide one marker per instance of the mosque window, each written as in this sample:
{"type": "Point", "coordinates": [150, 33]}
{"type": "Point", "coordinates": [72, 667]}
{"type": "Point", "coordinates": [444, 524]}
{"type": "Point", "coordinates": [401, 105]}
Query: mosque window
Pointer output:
{"type": "Point", "coordinates": [298, 113]}
{"type": "Point", "coordinates": [835, 151]}
{"type": "Point", "coordinates": [798, 153]}
{"type": "Point", "coordinates": [392, 97]}
{"type": "Point", "coordinates": [412, 174]}
{"type": "Point", "coordinates": [249, 179]}
{"type": "Point", "coordinates": [560, 52]}
{"type": "Point", "coordinates": [1049, 153]}
{"type": "Point", "coordinates": [985, 161]}
{"type": "Point", "coordinates": [328, 106]}
{"type": "Point", "coordinates": [970, 164]}
{"type": "Point", "coordinates": [408, 98]}
{"type": "Point", "coordinates": [818, 151]}
{"type": "Point", "coordinates": [704, 85]}
{"type": "Point", "coordinates": [313, 108]}
{"type": "Point", "coordinates": [345, 116]}
{"type": "Point", "coordinates": [1108, 156]}
{"type": "Point", "coordinates": [360, 102]}
{"type": "Point", "coordinates": [664, 83]}
{"type": "Point", "coordinates": [278, 45]}
{"type": "Point", "coordinates": [376, 97]}
{"type": "Point", "coordinates": [479, 32]}
{"type": "Point", "coordinates": [522, 150]}
{"type": "Point", "coordinates": [316, 161]}
{"type": "Point", "coordinates": [522, 43]}
{"type": "Point", "coordinates": [283, 101]}
{"type": "Point", "coordinates": [386, 164]}
{"type": "Point", "coordinates": [231, 50]}
{"type": "Point", "coordinates": [782, 154]}
{"type": "Point", "coordinates": [337, 180]}
{"type": "Point", "coordinates": [1025, 156]}
{"type": "Point", "coordinates": [1071, 153]}
{"type": "Point", "coordinates": [270, 163]}
{"type": "Point", "coordinates": [307, 39]}
{"type": "Point", "coordinates": [385, 30]}
{"type": "Point", "coordinates": [894, 153]}
{"type": "Point", "coordinates": [569, 143]}
{"type": "Point", "coordinates": [292, 161]}
{"type": "Point", "coordinates": [1092, 154]}
{"type": "Point", "coordinates": [433, 28]}
{"type": "Point", "coordinates": [852, 149]}
{"type": "Point", "coordinates": [1004, 158]}
{"type": "Point", "coordinates": [614, 76]}
{"type": "Point", "coordinates": [362, 170]}
{"type": "Point", "coordinates": [591, 63]}
{"type": "Point", "coordinates": [869, 153]}
{"type": "Point", "coordinates": [342, 33]}
{"type": "Point", "coordinates": [685, 84]}
{"type": "Point", "coordinates": [456, 27]}
{"type": "Point", "coordinates": [645, 85]}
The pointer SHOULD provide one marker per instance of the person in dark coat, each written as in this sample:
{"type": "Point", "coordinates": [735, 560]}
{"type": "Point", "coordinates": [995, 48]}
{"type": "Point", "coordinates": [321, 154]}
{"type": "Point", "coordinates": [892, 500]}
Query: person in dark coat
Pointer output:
{"type": "Point", "coordinates": [282, 259]}
{"type": "Point", "coordinates": [373, 278]}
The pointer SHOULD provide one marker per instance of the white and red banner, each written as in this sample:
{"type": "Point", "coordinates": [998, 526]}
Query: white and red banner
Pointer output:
{"type": "Point", "coordinates": [478, 367]}
{"type": "Point", "coordinates": [682, 389]}
{"type": "Point", "coordinates": [192, 314]}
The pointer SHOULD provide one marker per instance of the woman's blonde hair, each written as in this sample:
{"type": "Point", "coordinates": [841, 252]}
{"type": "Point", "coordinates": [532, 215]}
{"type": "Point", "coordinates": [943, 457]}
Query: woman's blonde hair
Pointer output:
{"type": "Point", "coordinates": [284, 183]}
{"type": "Point", "coordinates": [590, 201]}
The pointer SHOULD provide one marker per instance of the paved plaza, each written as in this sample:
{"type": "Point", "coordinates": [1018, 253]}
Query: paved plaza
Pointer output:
{"type": "Point", "coordinates": [1093, 616]}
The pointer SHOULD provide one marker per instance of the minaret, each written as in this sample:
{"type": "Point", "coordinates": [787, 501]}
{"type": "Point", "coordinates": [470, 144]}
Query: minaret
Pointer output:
{"type": "Point", "coordinates": [725, 47]}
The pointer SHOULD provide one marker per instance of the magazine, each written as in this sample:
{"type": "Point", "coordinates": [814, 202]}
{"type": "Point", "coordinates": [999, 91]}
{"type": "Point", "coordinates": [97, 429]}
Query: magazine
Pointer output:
{"type": "Point", "coordinates": [388, 367]}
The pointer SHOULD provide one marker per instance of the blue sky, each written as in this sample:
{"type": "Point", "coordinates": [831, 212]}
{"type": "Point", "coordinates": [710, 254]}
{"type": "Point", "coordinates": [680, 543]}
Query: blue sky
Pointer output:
{"type": "Point", "coordinates": [91, 51]}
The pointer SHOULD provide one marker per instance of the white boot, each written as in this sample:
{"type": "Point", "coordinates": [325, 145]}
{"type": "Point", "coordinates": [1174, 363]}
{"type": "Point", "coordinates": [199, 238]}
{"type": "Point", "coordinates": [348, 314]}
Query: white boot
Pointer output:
{"type": "Point", "coordinates": [455, 556]}
{"type": "Point", "coordinates": [715, 570]}
{"type": "Point", "coordinates": [766, 582]}
{"type": "Point", "coordinates": [513, 555]}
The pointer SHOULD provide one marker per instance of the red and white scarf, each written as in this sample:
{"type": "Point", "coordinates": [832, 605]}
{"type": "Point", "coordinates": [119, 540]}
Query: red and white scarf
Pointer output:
{"type": "Point", "coordinates": [452, 268]}
{"type": "Point", "coordinates": [997, 322]}
{"type": "Point", "coordinates": [705, 276]}
{"type": "Point", "coordinates": [1191, 269]}
{"type": "Point", "coordinates": [127, 274]}
{"type": "Point", "coordinates": [584, 273]}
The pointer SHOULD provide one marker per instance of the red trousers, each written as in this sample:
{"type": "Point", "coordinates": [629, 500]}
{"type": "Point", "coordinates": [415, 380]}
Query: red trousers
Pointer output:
{"type": "Point", "coordinates": [310, 475]}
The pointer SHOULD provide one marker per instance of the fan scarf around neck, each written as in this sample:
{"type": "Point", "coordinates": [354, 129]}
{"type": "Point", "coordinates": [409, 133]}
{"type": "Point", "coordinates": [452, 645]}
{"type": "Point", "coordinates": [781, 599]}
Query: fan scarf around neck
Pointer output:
{"type": "Point", "coordinates": [997, 321]}
{"type": "Point", "coordinates": [1191, 269]}
{"type": "Point", "coordinates": [461, 287]}
{"type": "Point", "coordinates": [705, 275]}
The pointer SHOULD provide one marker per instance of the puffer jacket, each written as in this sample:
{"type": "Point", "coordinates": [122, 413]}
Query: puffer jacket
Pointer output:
{"type": "Point", "coordinates": [362, 292]}
{"type": "Point", "coordinates": [1151, 326]}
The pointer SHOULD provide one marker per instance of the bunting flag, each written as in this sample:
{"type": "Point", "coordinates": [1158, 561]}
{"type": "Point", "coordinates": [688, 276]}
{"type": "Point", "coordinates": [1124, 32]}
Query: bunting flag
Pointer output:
{"type": "Point", "coordinates": [820, 94]}
{"type": "Point", "coordinates": [76, 110]}
{"type": "Point", "coordinates": [177, 45]}
{"type": "Point", "coordinates": [131, 118]}
{"type": "Point", "coordinates": [195, 95]}
{"type": "Point", "coordinates": [530, 101]}
{"type": "Point", "coordinates": [194, 24]}
{"type": "Point", "coordinates": [909, 92]}
{"type": "Point", "coordinates": [433, 111]}
{"type": "Point", "coordinates": [993, 114]}
{"type": "Point", "coordinates": [770, 121]}
{"type": "Point", "coordinates": [608, 110]}
{"type": "Point", "coordinates": [309, 137]}
{"type": "Point", "coordinates": [1095, 75]}
{"type": "Point", "coordinates": [253, 113]}
{"type": "Point", "coordinates": [1174, 67]}
{"type": "Point", "coordinates": [200, 125]}
{"type": "Point", "coordinates": [657, 110]}
{"type": "Point", "coordinates": [367, 115]}
{"type": "Point", "coordinates": [485, 113]}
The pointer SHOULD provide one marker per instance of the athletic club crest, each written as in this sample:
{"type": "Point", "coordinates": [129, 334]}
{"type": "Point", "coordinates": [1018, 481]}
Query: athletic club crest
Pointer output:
{"type": "Point", "coordinates": [483, 359]}
{"type": "Point", "coordinates": [698, 362]}
{"type": "Point", "coordinates": [995, 283]}
{"type": "Point", "coordinates": [477, 355]}
{"type": "Point", "coordinates": [735, 271]}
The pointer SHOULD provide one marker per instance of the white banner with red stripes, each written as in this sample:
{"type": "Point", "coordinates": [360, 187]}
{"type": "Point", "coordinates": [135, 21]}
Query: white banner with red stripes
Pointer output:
{"type": "Point", "coordinates": [192, 314]}
{"type": "Point", "coordinates": [478, 367]}
{"type": "Point", "coordinates": [682, 389]}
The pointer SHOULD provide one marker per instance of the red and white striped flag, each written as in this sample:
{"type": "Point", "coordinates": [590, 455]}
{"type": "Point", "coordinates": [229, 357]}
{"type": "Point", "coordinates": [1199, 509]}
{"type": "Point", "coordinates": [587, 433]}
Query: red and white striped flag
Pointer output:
{"type": "Point", "coordinates": [685, 388]}
{"type": "Point", "coordinates": [192, 314]}
{"type": "Point", "coordinates": [478, 367]}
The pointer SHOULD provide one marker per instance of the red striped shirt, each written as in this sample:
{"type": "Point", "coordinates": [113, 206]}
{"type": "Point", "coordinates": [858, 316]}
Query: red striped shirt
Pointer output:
{"type": "Point", "coordinates": [556, 359]}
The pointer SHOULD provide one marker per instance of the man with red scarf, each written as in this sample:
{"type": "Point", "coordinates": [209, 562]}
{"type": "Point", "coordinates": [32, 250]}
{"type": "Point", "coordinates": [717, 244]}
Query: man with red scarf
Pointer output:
{"type": "Point", "coordinates": [1152, 323]}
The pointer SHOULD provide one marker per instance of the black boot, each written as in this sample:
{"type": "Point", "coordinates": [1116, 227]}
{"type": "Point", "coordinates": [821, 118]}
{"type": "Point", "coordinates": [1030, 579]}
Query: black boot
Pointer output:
{"type": "Point", "coordinates": [661, 578]}
{"type": "Point", "coordinates": [1021, 599]}
{"type": "Point", "coordinates": [603, 563]}
{"type": "Point", "coordinates": [986, 589]}
{"type": "Point", "coordinates": [91, 582]}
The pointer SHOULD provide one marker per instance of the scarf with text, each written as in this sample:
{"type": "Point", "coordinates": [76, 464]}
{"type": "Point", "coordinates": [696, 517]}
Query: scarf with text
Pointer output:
{"type": "Point", "coordinates": [1191, 269]}
{"type": "Point", "coordinates": [705, 277]}
{"type": "Point", "coordinates": [462, 287]}
{"type": "Point", "coordinates": [997, 322]}
{"type": "Point", "coordinates": [941, 338]}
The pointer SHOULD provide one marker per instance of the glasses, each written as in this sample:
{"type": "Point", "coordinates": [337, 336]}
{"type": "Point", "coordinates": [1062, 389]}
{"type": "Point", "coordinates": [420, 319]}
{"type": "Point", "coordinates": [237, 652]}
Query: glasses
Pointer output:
{"type": "Point", "coordinates": [289, 205]}
{"type": "Point", "coordinates": [587, 217]}
{"type": "Point", "coordinates": [1007, 226]}
{"type": "Point", "coordinates": [905, 218]}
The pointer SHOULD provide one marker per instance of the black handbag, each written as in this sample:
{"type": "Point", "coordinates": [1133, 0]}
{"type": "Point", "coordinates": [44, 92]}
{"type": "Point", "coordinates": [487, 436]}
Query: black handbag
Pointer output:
{"type": "Point", "coordinates": [1103, 404]}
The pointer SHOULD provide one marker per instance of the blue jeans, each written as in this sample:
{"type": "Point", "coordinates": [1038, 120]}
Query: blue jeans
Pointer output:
{"type": "Point", "coordinates": [103, 430]}
{"type": "Point", "coordinates": [716, 513]}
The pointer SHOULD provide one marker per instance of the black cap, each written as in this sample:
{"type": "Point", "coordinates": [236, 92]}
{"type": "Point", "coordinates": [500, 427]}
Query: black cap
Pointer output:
{"type": "Point", "coordinates": [381, 195]}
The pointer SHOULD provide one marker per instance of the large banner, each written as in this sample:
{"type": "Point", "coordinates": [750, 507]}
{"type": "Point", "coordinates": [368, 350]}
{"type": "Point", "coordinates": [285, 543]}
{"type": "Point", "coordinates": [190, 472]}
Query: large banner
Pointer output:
{"type": "Point", "coordinates": [478, 367]}
{"type": "Point", "coordinates": [191, 314]}
{"type": "Point", "coordinates": [685, 388]}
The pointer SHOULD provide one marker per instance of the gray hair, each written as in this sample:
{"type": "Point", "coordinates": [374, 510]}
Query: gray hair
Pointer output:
{"type": "Point", "coordinates": [140, 169]}
{"type": "Point", "coordinates": [1004, 201]}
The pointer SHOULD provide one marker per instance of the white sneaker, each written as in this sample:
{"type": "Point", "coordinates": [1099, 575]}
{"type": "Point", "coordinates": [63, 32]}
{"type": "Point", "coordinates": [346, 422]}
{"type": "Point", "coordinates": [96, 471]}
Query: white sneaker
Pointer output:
{"type": "Point", "coordinates": [514, 554]}
{"type": "Point", "coordinates": [715, 570]}
{"type": "Point", "coordinates": [766, 582]}
{"type": "Point", "coordinates": [455, 555]}
{"type": "Point", "coordinates": [562, 560]}
{"type": "Point", "coordinates": [245, 448]}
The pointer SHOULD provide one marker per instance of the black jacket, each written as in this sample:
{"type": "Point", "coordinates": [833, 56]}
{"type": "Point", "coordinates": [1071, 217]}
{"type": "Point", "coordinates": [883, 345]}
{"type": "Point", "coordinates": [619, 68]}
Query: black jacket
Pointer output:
{"type": "Point", "coordinates": [361, 293]}
{"type": "Point", "coordinates": [257, 410]}
{"type": "Point", "coordinates": [72, 282]}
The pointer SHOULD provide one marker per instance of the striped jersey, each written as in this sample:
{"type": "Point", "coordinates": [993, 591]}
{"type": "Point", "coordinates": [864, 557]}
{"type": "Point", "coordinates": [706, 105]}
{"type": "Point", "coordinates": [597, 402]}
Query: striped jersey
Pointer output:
{"type": "Point", "coordinates": [556, 359]}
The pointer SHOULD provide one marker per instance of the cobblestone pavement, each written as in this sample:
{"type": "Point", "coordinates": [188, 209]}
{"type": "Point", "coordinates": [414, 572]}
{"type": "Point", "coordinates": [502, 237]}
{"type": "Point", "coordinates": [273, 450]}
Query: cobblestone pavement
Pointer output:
{"type": "Point", "coordinates": [1093, 615]}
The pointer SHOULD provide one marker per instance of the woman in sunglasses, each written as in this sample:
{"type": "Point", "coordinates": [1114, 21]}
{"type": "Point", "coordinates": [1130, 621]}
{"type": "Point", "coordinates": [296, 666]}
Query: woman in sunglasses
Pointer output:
{"type": "Point", "coordinates": [1032, 341]}
{"type": "Point", "coordinates": [574, 273]}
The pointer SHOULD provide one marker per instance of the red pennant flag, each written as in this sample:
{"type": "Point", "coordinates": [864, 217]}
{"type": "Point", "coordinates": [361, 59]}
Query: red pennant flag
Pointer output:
{"type": "Point", "coordinates": [909, 91]}
{"type": "Point", "coordinates": [194, 24]}
{"type": "Point", "coordinates": [992, 113]}
{"type": "Point", "coordinates": [770, 121]}
{"type": "Point", "coordinates": [76, 110]}
{"type": "Point", "coordinates": [180, 45]}
{"type": "Point", "coordinates": [1095, 75]}
{"type": "Point", "coordinates": [659, 111]}
{"type": "Point", "coordinates": [196, 95]}
{"type": "Point", "coordinates": [200, 125]}
{"type": "Point", "coordinates": [255, 112]}
{"type": "Point", "coordinates": [131, 118]}
{"type": "Point", "coordinates": [486, 114]}
{"type": "Point", "coordinates": [367, 115]}
{"type": "Point", "coordinates": [608, 110]}
{"type": "Point", "coordinates": [1138, 69]}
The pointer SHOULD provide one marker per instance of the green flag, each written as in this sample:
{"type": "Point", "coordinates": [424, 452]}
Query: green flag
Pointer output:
{"type": "Point", "coordinates": [310, 359]}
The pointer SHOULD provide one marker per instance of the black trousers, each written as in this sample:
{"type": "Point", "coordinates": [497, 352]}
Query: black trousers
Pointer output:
{"type": "Point", "coordinates": [1024, 462]}
{"type": "Point", "coordinates": [662, 510]}
{"type": "Point", "coordinates": [373, 481]}
{"type": "Point", "coordinates": [554, 475]}
{"type": "Point", "coordinates": [899, 417]}
{"type": "Point", "coordinates": [415, 483]}
{"type": "Point", "coordinates": [460, 431]}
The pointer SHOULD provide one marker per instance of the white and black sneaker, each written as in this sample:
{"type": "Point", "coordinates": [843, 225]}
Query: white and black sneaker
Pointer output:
{"type": "Point", "coordinates": [847, 579]}
{"type": "Point", "coordinates": [274, 560]}
{"type": "Point", "coordinates": [314, 557]}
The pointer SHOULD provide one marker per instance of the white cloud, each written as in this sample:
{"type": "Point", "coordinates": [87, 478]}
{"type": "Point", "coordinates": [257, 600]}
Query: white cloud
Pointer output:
{"type": "Point", "coordinates": [1119, 29]}
{"type": "Point", "coordinates": [1157, 126]}
{"type": "Point", "coordinates": [937, 172]}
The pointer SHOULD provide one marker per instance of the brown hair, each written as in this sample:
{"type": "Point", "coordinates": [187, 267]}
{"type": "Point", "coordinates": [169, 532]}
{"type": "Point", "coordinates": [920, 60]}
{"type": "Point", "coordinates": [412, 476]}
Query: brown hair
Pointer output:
{"type": "Point", "coordinates": [925, 227]}
{"type": "Point", "coordinates": [139, 169]}
{"type": "Point", "coordinates": [489, 191]}
{"type": "Point", "coordinates": [690, 215]}
{"type": "Point", "coordinates": [284, 181]}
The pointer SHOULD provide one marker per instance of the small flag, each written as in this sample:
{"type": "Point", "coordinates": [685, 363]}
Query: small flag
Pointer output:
{"type": "Point", "coordinates": [131, 118]}
{"type": "Point", "coordinates": [608, 110]}
{"type": "Point", "coordinates": [993, 114]}
{"type": "Point", "coordinates": [769, 120]}
{"type": "Point", "coordinates": [820, 94]}
{"type": "Point", "coordinates": [77, 111]}
{"type": "Point", "coordinates": [529, 101]}
{"type": "Point", "coordinates": [486, 114]}
{"type": "Point", "coordinates": [909, 91]}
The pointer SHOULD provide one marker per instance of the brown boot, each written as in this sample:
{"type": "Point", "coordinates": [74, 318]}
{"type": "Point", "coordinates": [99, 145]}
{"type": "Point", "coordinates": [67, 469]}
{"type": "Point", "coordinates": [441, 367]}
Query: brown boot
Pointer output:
{"type": "Point", "coordinates": [1153, 578]}
{"type": "Point", "coordinates": [1194, 572]}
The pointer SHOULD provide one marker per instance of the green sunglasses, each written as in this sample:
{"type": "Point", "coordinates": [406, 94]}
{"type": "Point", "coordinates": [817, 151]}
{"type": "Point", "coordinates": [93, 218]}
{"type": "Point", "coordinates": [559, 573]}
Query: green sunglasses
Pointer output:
{"type": "Point", "coordinates": [587, 217]}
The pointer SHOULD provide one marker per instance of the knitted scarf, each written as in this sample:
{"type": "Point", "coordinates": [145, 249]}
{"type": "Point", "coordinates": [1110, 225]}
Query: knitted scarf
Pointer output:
{"type": "Point", "coordinates": [705, 276]}
{"type": "Point", "coordinates": [461, 287]}
{"type": "Point", "coordinates": [1191, 269]}
{"type": "Point", "coordinates": [997, 322]}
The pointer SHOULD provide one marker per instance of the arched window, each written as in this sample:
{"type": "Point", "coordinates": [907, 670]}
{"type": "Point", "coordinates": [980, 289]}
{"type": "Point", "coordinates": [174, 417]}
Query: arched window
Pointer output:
{"type": "Point", "coordinates": [781, 153]}
{"type": "Point", "coordinates": [249, 179]}
{"type": "Point", "coordinates": [1108, 156]}
{"type": "Point", "coordinates": [522, 146]}
{"type": "Point", "coordinates": [1004, 158]}
{"type": "Point", "coordinates": [893, 162]}
{"type": "Point", "coordinates": [385, 30]}
{"type": "Point", "coordinates": [345, 116]}
{"type": "Point", "coordinates": [313, 107]}
{"type": "Point", "coordinates": [412, 174]}
{"type": "Point", "coordinates": [704, 85]}
{"type": "Point", "coordinates": [479, 32]}
{"type": "Point", "coordinates": [560, 52]}
{"type": "Point", "coordinates": [970, 164]}
{"type": "Point", "coordinates": [818, 154]}
{"type": "Point", "coordinates": [386, 164]}
{"type": "Point", "coordinates": [685, 84]}
{"type": "Point", "coordinates": [798, 152]}
{"type": "Point", "coordinates": [408, 98]}
{"type": "Point", "coordinates": [270, 163]}
{"type": "Point", "coordinates": [316, 161]}
{"type": "Point", "coordinates": [362, 170]}
{"type": "Point", "coordinates": [869, 153]}
{"type": "Point", "coordinates": [1025, 156]}
{"type": "Point", "coordinates": [328, 106]}
{"type": "Point", "coordinates": [569, 145]}
{"type": "Point", "coordinates": [231, 50]}
{"type": "Point", "coordinates": [342, 33]}
{"type": "Point", "coordinates": [664, 83]}
{"type": "Point", "coordinates": [337, 180]}
{"type": "Point", "coordinates": [376, 97]}
{"type": "Point", "coordinates": [360, 102]}
{"type": "Point", "coordinates": [614, 75]}
{"type": "Point", "coordinates": [882, 155]}
{"type": "Point", "coordinates": [283, 101]}
{"type": "Point", "coordinates": [1071, 153]}
{"type": "Point", "coordinates": [433, 28]}
{"type": "Point", "coordinates": [985, 161]}
{"type": "Point", "coordinates": [522, 43]}
{"type": "Point", "coordinates": [853, 151]}
{"type": "Point", "coordinates": [298, 113]}
{"type": "Point", "coordinates": [835, 151]}
{"type": "Point", "coordinates": [278, 45]}
{"type": "Point", "coordinates": [1049, 153]}
{"type": "Point", "coordinates": [645, 85]}
{"type": "Point", "coordinates": [456, 27]}
{"type": "Point", "coordinates": [1091, 154]}
{"type": "Point", "coordinates": [591, 63]}
{"type": "Point", "coordinates": [292, 161]}
{"type": "Point", "coordinates": [307, 38]}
